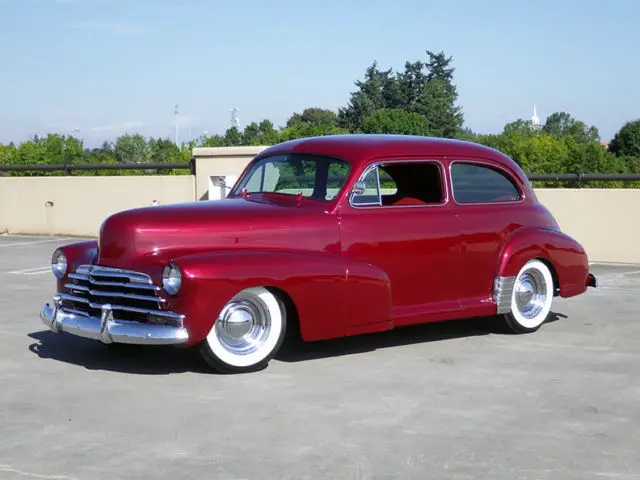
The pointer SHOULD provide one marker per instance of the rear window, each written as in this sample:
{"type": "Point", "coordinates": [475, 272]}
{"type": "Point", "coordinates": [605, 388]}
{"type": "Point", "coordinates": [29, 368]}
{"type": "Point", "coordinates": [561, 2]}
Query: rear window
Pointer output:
{"type": "Point", "coordinates": [473, 183]}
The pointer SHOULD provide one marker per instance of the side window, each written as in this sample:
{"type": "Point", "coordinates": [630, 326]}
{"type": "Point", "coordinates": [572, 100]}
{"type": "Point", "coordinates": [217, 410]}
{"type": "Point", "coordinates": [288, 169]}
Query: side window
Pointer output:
{"type": "Point", "coordinates": [397, 184]}
{"type": "Point", "coordinates": [371, 193]}
{"type": "Point", "coordinates": [472, 183]}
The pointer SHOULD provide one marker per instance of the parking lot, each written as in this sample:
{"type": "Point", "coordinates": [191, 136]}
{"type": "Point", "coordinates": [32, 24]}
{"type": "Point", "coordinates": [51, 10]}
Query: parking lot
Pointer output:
{"type": "Point", "coordinates": [456, 400]}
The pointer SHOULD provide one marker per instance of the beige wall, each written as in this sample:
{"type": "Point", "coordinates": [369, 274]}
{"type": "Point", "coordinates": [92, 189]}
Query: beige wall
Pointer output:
{"type": "Point", "coordinates": [220, 161]}
{"type": "Point", "coordinates": [604, 221]}
{"type": "Point", "coordinates": [78, 205]}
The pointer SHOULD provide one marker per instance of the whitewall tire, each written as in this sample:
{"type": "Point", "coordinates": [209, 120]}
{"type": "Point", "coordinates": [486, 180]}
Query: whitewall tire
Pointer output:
{"type": "Point", "coordinates": [247, 333]}
{"type": "Point", "coordinates": [531, 298]}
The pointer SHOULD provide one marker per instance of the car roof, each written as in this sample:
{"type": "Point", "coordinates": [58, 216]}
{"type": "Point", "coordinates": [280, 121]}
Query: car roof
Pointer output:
{"type": "Point", "coordinates": [360, 148]}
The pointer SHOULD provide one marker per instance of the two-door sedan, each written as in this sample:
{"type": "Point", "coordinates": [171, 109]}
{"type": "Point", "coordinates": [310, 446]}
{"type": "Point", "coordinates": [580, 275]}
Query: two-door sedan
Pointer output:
{"type": "Point", "coordinates": [326, 237]}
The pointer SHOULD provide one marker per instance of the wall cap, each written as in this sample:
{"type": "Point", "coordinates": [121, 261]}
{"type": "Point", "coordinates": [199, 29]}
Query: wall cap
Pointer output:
{"type": "Point", "coordinates": [240, 151]}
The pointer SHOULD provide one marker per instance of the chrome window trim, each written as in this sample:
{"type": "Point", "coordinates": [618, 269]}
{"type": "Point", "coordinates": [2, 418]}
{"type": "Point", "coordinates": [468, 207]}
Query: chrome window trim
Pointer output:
{"type": "Point", "coordinates": [366, 172]}
{"type": "Point", "coordinates": [509, 176]}
{"type": "Point", "coordinates": [376, 164]}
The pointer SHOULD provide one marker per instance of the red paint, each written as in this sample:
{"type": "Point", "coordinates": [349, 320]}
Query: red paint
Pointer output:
{"type": "Point", "coordinates": [347, 270]}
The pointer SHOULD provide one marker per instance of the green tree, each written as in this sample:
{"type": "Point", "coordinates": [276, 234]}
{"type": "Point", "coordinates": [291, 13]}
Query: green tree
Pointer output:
{"type": "Point", "coordinates": [627, 140]}
{"type": "Point", "coordinates": [8, 154]}
{"type": "Point", "coordinates": [439, 97]}
{"type": "Point", "coordinates": [397, 121]}
{"type": "Point", "coordinates": [562, 124]}
{"type": "Point", "coordinates": [313, 116]}
{"type": "Point", "coordinates": [424, 88]}
{"type": "Point", "coordinates": [233, 136]}
{"type": "Point", "coordinates": [407, 90]}
{"type": "Point", "coordinates": [304, 130]}
{"type": "Point", "coordinates": [163, 150]}
{"type": "Point", "coordinates": [369, 97]}
{"type": "Point", "coordinates": [263, 133]}
{"type": "Point", "coordinates": [519, 127]}
{"type": "Point", "coordinates": [132, 148]}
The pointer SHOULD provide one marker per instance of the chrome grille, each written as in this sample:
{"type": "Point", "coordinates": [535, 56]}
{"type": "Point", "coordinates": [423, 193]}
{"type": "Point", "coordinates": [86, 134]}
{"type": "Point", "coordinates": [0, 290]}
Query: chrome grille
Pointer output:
{"type": "Point", "coordinates": [130, 295]}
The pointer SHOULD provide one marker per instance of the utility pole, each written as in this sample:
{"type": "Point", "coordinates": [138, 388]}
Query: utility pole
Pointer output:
{"type": "Point", "coordinates": [235, 121]}
{"type": "Point", "coordinates": [175, 112]}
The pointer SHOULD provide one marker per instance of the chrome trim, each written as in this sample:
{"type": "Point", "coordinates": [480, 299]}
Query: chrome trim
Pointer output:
{"type": "Point", "coordinates": [530, 293]}
{"type": "Point", "coordinates": [366, 172]}
{"type": "Point", "coordinates": [502, 292]}
{"type": "Point", "coordinates": [100, 293]}
{"type": "Point", "coordinates": [359, 187]}
{"type": "Point", "coordinates": [98, 271]}
{"type": "Point", "coordinates": [57, 254]}
{"type": "Point", "coordinates": [97, 278]}
{"type": "Point", "coordinates": [122, 308]}
{"type": "Point", "coordinates": [510, 176]}
{"type": "Point", "coordinates": [444, 177]}
{"type": "Point", "coordinates": [244, 324]}
{"type": "Point", "coordinates": [107, 329]}
{"type": "Point", "coordinates": [141, 286]}
{"type": "Point", "coordinates": [114, 297]}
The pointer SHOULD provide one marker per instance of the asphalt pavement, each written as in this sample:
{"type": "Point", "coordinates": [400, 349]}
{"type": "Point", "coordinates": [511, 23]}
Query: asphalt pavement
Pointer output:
{"type": "Point", "coordinates": [456, 400]}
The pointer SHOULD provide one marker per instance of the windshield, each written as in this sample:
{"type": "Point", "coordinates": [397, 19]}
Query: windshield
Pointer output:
{"type": "Point", "coordinates": [312, 176]}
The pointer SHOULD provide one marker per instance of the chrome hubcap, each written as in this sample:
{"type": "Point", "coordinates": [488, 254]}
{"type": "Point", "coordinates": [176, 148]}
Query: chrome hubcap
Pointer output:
{"type": "Point", "coordinates": [243, 325]}
{"type": "Point", "coordinates": [531, 293]}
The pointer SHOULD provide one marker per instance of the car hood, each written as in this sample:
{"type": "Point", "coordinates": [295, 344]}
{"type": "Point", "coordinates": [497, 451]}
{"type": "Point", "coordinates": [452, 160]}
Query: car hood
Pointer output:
{"type": "Point", "coordinates": [151, 236]}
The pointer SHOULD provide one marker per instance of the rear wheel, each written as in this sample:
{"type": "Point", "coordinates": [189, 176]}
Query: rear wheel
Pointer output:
{"type": "Point", "coordinates": [247, 334]}
{"type": "Point", "coordinates": [531, 298]}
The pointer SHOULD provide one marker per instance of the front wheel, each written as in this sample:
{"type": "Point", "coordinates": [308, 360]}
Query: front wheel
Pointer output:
{"type": "Point", "coordinates": [531, 298]}
{"type": "Point", "coordinates": [247, 334]}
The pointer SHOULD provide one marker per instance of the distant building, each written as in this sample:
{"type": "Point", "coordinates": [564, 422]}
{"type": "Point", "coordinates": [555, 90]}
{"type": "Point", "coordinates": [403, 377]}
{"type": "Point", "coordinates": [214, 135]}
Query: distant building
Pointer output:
{"type": "Point", "coordinates": [535, 120]}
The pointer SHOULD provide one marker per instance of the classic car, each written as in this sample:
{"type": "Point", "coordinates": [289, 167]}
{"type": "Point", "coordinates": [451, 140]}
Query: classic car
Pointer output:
{"type": "Point", "coordinates": [325, 237]}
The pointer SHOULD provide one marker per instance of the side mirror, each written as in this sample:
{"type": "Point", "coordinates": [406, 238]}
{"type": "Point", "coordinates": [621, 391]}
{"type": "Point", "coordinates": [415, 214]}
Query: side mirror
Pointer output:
{"type": "Point", "coordinates": [359, 187]}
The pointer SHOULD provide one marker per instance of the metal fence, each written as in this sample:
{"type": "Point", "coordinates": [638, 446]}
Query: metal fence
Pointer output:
{"type": "Point", "coordinates": [69, 168]}
{"type": "Point", "coordinates": [579, 178]}
{"type": "Point", "coordinates": [585, 177]}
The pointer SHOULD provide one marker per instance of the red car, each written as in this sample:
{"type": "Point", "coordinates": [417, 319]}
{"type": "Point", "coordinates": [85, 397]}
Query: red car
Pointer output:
{"type": "Point", "coordinates": [326, 237]}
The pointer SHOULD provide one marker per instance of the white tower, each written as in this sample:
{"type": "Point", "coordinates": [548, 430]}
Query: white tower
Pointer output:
{"type": "Point", "coordinates": [535, 121]}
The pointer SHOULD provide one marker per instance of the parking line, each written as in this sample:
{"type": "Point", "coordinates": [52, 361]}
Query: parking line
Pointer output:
{"type": "Point", "coordinates": [32, 271]}
{"type": "Point", "coordinates": [17, 244]}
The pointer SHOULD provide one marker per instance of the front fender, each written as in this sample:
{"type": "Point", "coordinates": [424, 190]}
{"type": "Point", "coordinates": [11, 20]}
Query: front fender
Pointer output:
{"type": "Point", "coordinates": [329, 293]}
{"type": "Point", "coordinates": [78, 253]}
{"type": "Point", "coordinates": [567, 257]}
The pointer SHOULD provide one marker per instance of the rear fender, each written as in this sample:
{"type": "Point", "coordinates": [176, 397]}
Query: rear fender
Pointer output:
{"type": "Point", "coordinates": [563, 254]}
{"type": "Point", "coordinates": [329, 294]}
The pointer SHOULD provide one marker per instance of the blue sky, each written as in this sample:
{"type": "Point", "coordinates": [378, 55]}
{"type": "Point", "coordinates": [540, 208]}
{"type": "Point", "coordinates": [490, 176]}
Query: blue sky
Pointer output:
{"type": "Point", "coordinates": [112, 66]}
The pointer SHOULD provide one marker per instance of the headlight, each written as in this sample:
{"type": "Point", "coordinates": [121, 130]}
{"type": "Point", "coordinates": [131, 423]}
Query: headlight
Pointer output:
{"type": "Point", "coordinates": [59, 263]}
{"type": "Point", "coordinates": [171, 279]}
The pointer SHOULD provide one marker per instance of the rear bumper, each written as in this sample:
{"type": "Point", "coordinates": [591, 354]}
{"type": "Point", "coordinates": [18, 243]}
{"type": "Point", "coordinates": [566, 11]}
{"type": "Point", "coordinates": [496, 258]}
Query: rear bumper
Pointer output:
{"type": "Point", "coordinates": [592, 281]}
{"type": "Point", "coordinates": [109, 330]}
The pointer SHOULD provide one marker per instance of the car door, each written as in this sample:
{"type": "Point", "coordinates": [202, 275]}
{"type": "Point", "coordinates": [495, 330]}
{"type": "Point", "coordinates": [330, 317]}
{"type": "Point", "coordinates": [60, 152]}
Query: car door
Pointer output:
{"type": "Point", "coordinates": [489, 207]}
{"type": "Point", "coordinates": [402, 223]}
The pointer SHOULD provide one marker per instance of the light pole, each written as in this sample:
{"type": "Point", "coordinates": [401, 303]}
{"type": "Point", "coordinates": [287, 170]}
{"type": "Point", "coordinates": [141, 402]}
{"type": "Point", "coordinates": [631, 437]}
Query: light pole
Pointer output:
{"type": "Point", "coordinates": [175, 111]}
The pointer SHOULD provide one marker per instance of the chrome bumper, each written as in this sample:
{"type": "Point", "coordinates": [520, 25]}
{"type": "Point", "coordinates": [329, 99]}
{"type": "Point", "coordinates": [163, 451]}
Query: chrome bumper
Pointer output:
{"type": "Point", "coordinates": [109, 330]}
